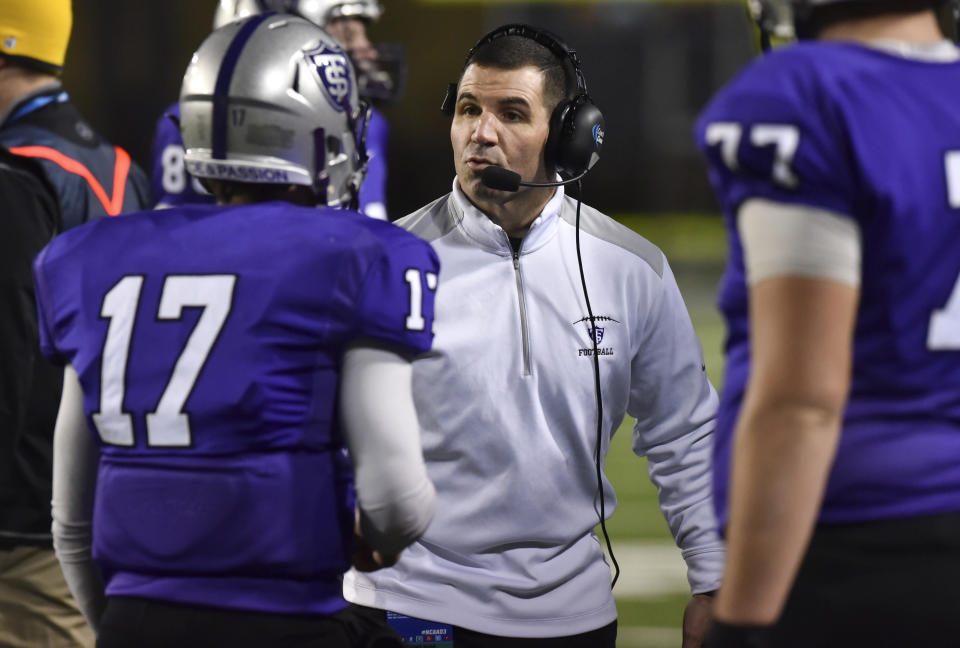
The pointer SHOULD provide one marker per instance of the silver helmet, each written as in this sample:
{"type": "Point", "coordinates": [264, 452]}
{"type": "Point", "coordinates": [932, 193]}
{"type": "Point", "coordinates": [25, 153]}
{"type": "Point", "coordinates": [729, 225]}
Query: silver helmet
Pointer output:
{"type": "Point", "coordinates": [319, 12]}
{"type": "Point", "coordinates": [773, 17]}
{"type": "Point", "coordinates": [784, 20]}
{"type": "Point", "coordinates": [379, 78]}
{"type": "Point", "coordinates": [273, 99]}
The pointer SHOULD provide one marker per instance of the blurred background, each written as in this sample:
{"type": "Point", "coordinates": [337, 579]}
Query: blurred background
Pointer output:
{"type": "Point", "coordinates": [650, 66]}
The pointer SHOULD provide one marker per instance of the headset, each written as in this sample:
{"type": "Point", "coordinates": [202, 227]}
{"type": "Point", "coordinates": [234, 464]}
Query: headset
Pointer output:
{"type": "Point", "coordinates": [576, 125]}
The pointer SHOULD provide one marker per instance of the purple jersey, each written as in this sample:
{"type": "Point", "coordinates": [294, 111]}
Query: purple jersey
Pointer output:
{"type": "Point", "coordinates": [208, 341]}
{"type": "Point", "coordinates": [172, 185]}
{"type": "Point", "coordinates": [876, 138]}
{"type": "Point", "coordinates": [373, 191]}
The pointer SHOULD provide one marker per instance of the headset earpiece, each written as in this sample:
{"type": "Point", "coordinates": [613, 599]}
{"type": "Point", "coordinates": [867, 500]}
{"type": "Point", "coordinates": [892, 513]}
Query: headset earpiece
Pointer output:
{"type": "Point", "coordinates": [576, 125]}
{"type": "Point", "coordinates": [576, 135]}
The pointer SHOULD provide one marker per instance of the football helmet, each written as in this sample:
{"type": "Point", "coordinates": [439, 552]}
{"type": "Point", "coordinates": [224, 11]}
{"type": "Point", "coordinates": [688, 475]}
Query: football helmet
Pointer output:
{"type": "Point", "coordinates": [319, 12]}
{"type": "Point", "coordinates": [380, 78]}
{"type": "Point", "coordinates": [273, 99]}
{"type": "Point", "coordinates": [782, 20]}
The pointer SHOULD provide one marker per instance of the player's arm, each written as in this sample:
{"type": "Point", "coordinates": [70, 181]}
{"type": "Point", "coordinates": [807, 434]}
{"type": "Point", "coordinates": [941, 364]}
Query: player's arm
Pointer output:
{"type": "Point", "coordinates": [803, 270]}
{"type": "Point", "coordinates": [395, 497]}
{"type": "Point", "coordinates": [75, 461]}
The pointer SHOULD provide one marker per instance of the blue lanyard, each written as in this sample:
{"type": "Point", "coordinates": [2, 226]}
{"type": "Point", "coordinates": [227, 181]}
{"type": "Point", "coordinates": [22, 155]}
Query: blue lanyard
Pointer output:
{"type": "Point", "coordinates": [36, 103]}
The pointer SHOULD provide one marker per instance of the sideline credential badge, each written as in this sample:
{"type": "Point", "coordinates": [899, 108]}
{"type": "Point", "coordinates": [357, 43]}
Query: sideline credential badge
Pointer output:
{"type": "Point", "coordinates": [421, 632]}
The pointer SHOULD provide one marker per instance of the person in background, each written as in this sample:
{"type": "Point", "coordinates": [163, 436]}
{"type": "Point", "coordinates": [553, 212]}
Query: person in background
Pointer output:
{"type": "Point", "coordinates": [380, 74]}
{"type": "Point", "coordinates": [530, 377]}
{"type": "Point", "coordinates": [221, 360]}
{"type": "Point", "coordinates": [91, 178]}
{"type": "Point", "coordinates": [836, 161]}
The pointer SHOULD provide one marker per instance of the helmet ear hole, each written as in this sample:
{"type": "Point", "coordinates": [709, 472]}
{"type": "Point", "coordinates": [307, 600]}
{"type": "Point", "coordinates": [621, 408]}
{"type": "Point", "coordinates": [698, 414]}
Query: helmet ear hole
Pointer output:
{"type": "Point", "coordinates": [334, 146]}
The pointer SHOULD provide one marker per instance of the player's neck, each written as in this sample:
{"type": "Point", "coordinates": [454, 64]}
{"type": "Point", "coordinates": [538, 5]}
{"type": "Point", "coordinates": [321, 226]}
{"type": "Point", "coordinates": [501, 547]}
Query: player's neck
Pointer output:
{"type": "Point", "coordinates": [916, 27]}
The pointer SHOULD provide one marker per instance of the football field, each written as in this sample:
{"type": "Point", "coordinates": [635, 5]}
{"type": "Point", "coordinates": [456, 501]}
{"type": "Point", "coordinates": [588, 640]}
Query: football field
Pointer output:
{"type": "Point", "coordinates": [652, 589]}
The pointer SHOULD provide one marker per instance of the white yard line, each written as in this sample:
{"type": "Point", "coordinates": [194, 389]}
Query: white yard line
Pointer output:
{"type": "Point", "coordinates": [649, 569]}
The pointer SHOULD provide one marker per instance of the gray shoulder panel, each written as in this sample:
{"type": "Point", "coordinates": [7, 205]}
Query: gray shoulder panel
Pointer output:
{"type": "Point", "coordinates": [603, 227]}
{"type": "Point", "coordinates": [432, 221]}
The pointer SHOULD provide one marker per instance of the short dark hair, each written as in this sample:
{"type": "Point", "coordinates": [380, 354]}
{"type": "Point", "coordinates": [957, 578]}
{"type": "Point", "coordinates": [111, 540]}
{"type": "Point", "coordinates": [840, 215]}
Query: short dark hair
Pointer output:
{"type": "Point", "coordinates": [224, 191]}
{"type": "Point", "coordinates": [513, 52]}
{"type": "Point", "coordinates": [821, 17]}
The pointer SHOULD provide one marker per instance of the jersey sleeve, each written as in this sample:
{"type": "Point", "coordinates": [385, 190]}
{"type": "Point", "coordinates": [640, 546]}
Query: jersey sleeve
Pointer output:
{"type": "Point", "coordinates": [774, 133]}
{"type": "Point", "coordinates": [396, 303]}
{"type": "Point", "coordinates": [373, 191]}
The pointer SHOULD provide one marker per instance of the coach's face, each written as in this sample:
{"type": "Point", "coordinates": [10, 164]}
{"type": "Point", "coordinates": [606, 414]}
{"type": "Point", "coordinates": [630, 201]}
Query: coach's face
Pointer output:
{"type": "Point", "coordinates": [500, 120]}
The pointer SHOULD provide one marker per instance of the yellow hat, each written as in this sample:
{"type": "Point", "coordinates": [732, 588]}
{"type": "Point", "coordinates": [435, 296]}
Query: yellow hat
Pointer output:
{"type": "Point", "coordinates": [36, 29]}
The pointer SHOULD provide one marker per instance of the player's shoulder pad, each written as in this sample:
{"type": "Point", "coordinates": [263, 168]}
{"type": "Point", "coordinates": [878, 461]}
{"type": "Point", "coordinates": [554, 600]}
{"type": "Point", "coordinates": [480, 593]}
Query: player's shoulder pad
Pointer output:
{"type": "Point", "coordinates": [65, 243]}
{"type": "Point", "coordinates": [170, 118]}
{"type": "Point", "coordinates": [784, 84]}
{"type": "Point", "coordinates": [389, 236]}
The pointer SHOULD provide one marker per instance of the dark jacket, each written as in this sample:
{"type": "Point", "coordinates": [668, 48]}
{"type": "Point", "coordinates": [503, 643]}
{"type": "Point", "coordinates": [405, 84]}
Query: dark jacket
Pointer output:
{"type": "Point", "coordinates": [29, 386]}
{"type": "Point", "coordinates": [93, 178]}
{"type": "Point", "coordinates": [63, 157]}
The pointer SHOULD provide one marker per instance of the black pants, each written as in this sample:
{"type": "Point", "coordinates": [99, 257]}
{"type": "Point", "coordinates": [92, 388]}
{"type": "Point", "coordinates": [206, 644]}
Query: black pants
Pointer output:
{"type": "Point", "coordinates": [605, 637]}
{"type": "Point", "coordinates": [877, 584]}
{"type": "Point", "coordinates": [141, 623]}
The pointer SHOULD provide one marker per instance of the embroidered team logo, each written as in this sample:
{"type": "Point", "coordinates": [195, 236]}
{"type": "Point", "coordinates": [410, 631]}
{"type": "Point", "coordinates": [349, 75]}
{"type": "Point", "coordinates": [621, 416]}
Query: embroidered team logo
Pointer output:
{"type": "Point", "coordinates": [595, 334]}
{"type": "Point", "coordinates": [332, 70]}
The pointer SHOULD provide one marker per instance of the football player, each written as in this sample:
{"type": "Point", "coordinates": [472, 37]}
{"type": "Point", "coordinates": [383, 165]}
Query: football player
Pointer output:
{"type": "Point", "coordinates": [836, 161]}
{"type": "Point", "coordinates": [380, 72]}
{"type": "Point", "coordinates": [211, 353]}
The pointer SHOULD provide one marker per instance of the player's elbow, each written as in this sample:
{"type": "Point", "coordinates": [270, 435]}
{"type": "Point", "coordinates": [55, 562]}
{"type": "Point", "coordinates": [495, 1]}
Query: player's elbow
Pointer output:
{"type": "Point", "coordinates": [399, 520]}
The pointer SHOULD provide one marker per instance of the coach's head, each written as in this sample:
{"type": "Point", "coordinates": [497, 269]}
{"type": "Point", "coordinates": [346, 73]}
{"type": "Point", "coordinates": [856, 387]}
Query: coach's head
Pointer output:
{"type": "Point", "coordinates": [521, 104]}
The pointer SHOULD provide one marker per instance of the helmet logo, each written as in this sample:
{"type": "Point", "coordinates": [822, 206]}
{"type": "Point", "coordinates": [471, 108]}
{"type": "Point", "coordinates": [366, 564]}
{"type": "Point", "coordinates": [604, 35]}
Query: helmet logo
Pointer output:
{"type": "Point", "coordinates": [329, 64]}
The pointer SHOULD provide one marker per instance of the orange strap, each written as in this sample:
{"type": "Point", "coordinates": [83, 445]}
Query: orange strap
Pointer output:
{"type": "Point", "coordinates": [112, 205]}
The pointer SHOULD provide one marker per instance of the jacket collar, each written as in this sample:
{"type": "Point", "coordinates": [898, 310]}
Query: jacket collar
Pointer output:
{"type": "Point", "coordinates": [488, 234]}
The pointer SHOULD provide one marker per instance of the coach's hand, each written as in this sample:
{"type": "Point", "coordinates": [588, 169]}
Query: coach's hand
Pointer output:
{"type": "Point", "coordinates": [366, 559]}
{"type": "Point", "coordinates": [697, 617]}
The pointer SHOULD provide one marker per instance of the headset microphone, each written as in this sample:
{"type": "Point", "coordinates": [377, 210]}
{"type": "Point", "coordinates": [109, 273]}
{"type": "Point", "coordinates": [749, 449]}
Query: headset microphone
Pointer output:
{"type": "Point", "coordinates": [496, 177]}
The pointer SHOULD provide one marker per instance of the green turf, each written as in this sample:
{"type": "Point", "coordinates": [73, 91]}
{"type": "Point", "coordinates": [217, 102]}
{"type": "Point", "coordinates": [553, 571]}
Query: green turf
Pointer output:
{"type": "Point", "coordinates": [653, 612]}
{"type": "Point", "coordinates": [695, 246]}
{"type": "Point", "coordinates": [684, 238]}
